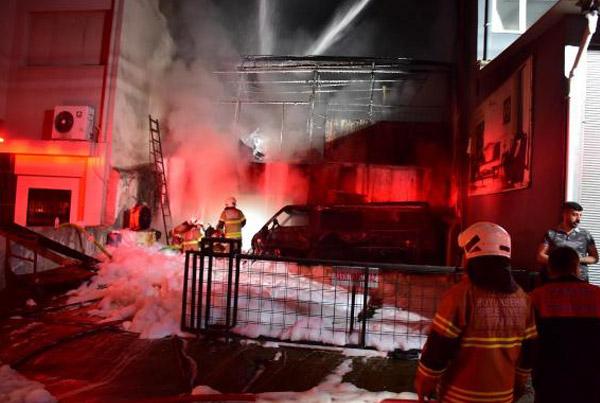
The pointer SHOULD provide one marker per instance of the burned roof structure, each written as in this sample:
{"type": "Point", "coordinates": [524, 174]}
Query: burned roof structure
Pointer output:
{"type": "Point", "coordinates": [280, 106]}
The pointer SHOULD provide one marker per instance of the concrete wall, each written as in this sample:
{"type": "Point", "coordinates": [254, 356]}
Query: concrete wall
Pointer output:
{"type": "Point", "coordinates": [145, 52]}
{"type": "Point", "coordinates": [70, 52]}
{"type": "Point", "coordinates": [528, 213]}
{"type": "Point", "coordinates": [6, 35]}
{"type": "Point", "coordinates": [58, 53]}
{"type": "Point", "coordinates": [43, 75]}
{"type": "Point", "coordinates": [144, 49]}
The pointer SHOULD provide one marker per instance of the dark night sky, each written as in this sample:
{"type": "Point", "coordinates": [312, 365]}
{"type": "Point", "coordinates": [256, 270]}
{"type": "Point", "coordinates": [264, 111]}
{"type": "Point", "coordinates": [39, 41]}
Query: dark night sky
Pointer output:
{"type": "Point", "coordinates": [225, 29]}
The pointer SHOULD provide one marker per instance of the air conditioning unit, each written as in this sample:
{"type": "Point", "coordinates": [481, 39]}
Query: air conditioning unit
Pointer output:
{"type": "Point", "coordinates": [73, 123]}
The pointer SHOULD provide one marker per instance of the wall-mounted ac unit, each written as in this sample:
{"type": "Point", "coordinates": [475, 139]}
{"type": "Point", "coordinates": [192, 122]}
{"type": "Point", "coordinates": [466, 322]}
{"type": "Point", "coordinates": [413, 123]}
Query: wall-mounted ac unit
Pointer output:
{"type": "Point", "coordinates": [73, 123]}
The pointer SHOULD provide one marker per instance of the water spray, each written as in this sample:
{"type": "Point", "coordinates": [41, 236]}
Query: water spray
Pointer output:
{"type": "Point", "coordinates": [332, 33]}
{"type": "Point", "coordinates": [265, 31]}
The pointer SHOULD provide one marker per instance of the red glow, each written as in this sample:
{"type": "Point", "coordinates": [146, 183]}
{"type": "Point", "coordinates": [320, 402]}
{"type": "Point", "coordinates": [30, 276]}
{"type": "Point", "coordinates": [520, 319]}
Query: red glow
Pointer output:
{"type": "Point", "coordinates": [41, 162]}
{"type": "Point", "coordinates": [40, 147]}
{"type": "Point", "coordinates": [283, 184]}
{"type": "Point", "coordinates": [201, 175]}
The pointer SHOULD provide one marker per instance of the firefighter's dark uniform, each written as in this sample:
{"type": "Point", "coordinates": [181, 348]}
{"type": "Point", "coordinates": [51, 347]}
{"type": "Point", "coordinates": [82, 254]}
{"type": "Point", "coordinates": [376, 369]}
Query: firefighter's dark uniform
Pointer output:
{"type": "Point", "coordinates": [481, 340]}
{"type": "Point", "coordinates": [567, 366]}
{"type": "Point", "coordinates": [231, 222]}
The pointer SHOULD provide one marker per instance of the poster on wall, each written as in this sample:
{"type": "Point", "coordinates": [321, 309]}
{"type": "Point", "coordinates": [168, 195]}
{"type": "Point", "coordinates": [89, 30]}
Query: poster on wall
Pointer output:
{"type": "Point", "coordinates": [500, 138]}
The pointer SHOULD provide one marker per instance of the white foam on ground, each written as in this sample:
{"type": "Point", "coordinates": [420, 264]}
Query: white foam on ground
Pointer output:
{"type": "Point", "coordinates": [15, 388]}
{"type": "Point", "coordinates": [142, 286]}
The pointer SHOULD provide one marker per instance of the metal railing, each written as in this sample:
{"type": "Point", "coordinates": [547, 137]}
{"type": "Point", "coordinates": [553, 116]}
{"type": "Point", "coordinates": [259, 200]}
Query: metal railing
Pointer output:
{"type": "Point", "coordinates": [358, 304]}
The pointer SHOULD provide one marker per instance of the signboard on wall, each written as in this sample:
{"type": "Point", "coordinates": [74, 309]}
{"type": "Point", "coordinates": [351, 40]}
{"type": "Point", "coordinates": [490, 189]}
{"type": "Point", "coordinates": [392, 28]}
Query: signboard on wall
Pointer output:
{"type": "Point", "coordinates": [354, 276]}
{"type": "Point", "coordinates": [500, 137]}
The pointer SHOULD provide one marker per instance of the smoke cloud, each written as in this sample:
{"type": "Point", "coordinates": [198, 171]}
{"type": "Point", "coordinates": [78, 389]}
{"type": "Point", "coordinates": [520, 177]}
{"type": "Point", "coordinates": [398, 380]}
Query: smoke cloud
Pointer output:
{"type": "Point", "coordinates": [206, 161]}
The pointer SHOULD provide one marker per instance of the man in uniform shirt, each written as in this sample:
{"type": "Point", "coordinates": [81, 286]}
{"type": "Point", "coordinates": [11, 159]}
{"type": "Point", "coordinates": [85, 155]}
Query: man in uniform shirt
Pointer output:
{"type": "Point", "coordinates": [568, 233]}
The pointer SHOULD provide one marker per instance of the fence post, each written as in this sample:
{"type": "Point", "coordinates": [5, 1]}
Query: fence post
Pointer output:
{"type": "Point", "coordinates": [184, 292]}
{"type": "Point", "coordinates": [200, 287]}
{"type": "Point", "coordinates": [208, 284]}
{"type": "Point", "coordinates": [232, 252]}
{"type": "Point", "coordinates": [363, 336]}
{"type": "Point", "coordinates": [238, 260]}
{"type": "Point", "coordinates": [193, 312]}
{"type": "Point", "coordinates": [352, 306]}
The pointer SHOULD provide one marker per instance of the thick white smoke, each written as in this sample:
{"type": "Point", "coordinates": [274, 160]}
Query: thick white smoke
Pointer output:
{"type": "Point", "coordinates": [202, 144]}
{"type": "Point", "coordinates": [205, 161]}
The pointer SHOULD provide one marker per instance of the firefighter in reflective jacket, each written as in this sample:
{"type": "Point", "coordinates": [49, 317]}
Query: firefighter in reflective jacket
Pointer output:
{"type": "Point", "coordinates": [480, 348]}
{"type": "Point", "coordinates": [567, 365]}
{"type": "Point", "coordinates": [231, 220]}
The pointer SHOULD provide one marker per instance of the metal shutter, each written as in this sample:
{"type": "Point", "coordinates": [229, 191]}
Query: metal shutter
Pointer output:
{"type": "Point", "coordinates": [590, 181]}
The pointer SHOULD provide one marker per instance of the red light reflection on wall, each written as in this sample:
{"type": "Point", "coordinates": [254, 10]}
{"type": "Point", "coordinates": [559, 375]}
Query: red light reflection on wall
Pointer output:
{"type": "Point", "coordinates": [39, 147]}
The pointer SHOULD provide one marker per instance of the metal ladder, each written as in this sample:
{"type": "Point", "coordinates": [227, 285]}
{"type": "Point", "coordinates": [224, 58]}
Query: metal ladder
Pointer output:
{"type": "Point", "coordinates": [156, 157]}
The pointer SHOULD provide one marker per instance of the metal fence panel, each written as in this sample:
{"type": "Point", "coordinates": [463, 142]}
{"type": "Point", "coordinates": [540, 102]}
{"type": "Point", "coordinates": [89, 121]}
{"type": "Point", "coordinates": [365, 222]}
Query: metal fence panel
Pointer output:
{"type": "Point", "coordinates": [380, 306]}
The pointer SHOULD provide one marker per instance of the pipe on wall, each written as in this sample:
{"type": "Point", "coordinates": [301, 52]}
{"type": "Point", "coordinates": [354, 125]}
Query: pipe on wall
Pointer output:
{"type": "Point", "coordinates": [591, 17]}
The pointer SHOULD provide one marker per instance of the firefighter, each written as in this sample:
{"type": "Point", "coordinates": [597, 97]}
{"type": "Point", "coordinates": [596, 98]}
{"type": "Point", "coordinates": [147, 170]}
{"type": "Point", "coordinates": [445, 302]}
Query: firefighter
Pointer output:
{"type": "Point", "coordinates": [567, 308]}
{"type": "Point", "coordinates": [480, 344]}
{"type": "Point", "coordinates": [231, 220]}
{"type": "Point", "coordinates": [187, 235]}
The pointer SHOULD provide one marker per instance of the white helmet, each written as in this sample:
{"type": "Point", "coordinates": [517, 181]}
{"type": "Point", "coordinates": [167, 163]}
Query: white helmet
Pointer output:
{"type": "Point", "coordinates": [230, 202]}
{"type": "Point", "coordinates": [485, 238]}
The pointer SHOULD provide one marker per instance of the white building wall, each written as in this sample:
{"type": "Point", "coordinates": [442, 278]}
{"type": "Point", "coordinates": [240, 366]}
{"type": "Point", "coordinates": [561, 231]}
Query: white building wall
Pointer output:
{"type": "Point", "coordinates": [590, 172]}
{"type": "Point", "coordinates": [145, 51]}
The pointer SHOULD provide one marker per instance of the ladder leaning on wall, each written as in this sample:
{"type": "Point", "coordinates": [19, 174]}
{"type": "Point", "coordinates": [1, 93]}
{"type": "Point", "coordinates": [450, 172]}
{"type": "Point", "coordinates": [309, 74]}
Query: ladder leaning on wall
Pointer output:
{"type": "Point", "coordinates": [156, 158]}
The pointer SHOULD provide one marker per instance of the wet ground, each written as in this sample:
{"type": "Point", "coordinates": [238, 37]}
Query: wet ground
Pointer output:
{"type": "Point", "coordinates": [79, 359]}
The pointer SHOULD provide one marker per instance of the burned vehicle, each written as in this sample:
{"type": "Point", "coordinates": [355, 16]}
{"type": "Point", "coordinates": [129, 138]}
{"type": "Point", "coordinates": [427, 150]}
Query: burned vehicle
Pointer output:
{"type": "Point", "coordinates": [401, 232]}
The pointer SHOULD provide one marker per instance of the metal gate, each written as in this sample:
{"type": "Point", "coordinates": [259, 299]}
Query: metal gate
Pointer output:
{"type": "Point", "coordinates": [204, 288]}
{"type": "Point", "coordinates": [354, 304]}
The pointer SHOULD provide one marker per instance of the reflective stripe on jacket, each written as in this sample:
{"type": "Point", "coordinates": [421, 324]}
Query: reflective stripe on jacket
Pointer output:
{"type": "Point", "coordinates": [490, 333]}
{"type": "Point", "coordinates": [232, 220]}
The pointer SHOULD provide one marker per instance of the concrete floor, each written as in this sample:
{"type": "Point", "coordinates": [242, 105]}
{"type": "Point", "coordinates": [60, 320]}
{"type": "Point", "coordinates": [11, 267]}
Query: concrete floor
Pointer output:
{"type": "Point", "coordinates": [79, 359]}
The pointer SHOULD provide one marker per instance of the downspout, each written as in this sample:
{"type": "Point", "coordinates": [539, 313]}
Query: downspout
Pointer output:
{"type": "Point", "coordinates": [486, 27]}
{"type": "Point", "coordinates": [592, 21]}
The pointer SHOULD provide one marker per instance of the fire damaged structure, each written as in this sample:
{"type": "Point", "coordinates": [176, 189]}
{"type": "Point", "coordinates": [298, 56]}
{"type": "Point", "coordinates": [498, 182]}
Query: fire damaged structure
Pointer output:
{"type": "Point", "coordinates": [360, 130]}
{"type": "Point", "coordinates": [355, 174]}
{"type": "Point", "coordinates": [365, 131]}
{"type": "Point", "coordinates": [316, 100]}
